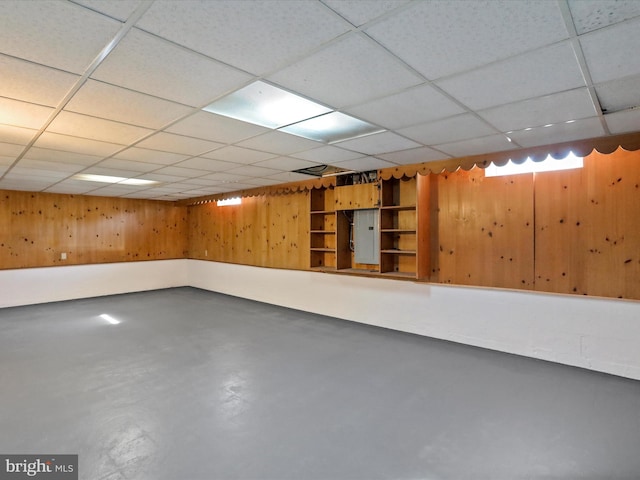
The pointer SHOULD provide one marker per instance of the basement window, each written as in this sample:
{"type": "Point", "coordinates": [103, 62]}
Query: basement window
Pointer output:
{"type": "Point", "coordinates": [549, 164]}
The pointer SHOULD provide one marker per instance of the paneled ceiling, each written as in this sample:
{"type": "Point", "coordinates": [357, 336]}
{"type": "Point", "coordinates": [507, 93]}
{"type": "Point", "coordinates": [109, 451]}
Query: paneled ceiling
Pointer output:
{"type": "Point", "coordinates": [117, 87]}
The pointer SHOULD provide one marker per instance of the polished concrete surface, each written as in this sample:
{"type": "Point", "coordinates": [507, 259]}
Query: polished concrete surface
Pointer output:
{"type": "Point", "coordinates": [196, 385]}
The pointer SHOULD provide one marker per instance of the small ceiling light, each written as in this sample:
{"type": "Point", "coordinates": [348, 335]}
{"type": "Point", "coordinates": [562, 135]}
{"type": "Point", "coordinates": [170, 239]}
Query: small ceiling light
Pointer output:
{"type": "Point", "coordinates": [89, 177]}
{"type": "Point", "coordinates": [331, 127]}
{"type": "Point", "coordinates": [549, 164]}
{"type": "Point", "coordinates": [229, 201]}
{"type": "Point", "coordinates": [509, 138]}
{"type": "Point", "coordinates": [569, 121]}
{"type": "Point", "coordinates": [527, 129]}
{"type": "Point", "coordinates": [266, 105]}
{"type": "Point", "coordinates": [548, 125]}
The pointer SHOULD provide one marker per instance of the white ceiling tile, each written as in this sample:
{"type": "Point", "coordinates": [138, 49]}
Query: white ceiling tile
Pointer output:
{"type": "Point", "coordinates": [216, 128]}
{"type": "Point", "coordinates": [22, 114]}
{"type": "Point", "coordinates": [208, 164]}
{"type": "Point", "coordinates": [121, 9]}
{"type": "Point", "coordinates": [200, 182]}
{"type": "Point", "coordinates": [55, 141]}
{"type": "Point", "coordinates": [563, 132]}
{"type": "Point", "coordinates": [286, 177]}
{"type": "Point", "coordinates": [36, 174]}
{"type": "Point", "coordinates": [129, 165]}
{"type": "Point", "coordinates": [286, 163]}
{"type": "Point", "coordinates": [460, 127]}
{"type": "Point", "coordinates": [10, 149]}
{"type": "Point", "coordinates": [150, 65]}
{"type": "Point", "coordinates": [16, 135]}
{"type": "Point", "coordinates": [68, 123]}
{"type": "Point", "coordinates": [623, 122]}
{"type": "Point", "coordinates": [359, 12]}
{"type": "Point", "coordinates": [25, 184]}
{"type": "Point", "coordinates": [61, 157]}
{"type": "Point", "coordinates": [443, 38]}
{"type": "Point", "coordinates": [258, 182]}
{"type": "Point", "coordinates": [595, 14]}
{"type": "Point", "coordinates": [384, 142]}
{"type": "Point", "coordinates": [350, 71]}
{"type": "Point", "coordinates": [114, 103]}
{"type": "Point", "coordinates": [612, 52]}
{"type": "Point", "coordinates": [619, 94]}
{"type": "Point", "coordinates": [327, 154]}
{"type": "Point", "coordinates": [168, 142]}
{"type": "Point", "coordinates": [71, 186]}
{"type": "Point", "coordinates": [5, 162]}
{"type": "Point", "coordinates": [365, 164]}
{"type": "Point", "coordinates": [254, 36]}
{"type": "Point", "coordinates": [234, 186]}
{"type": "Point", "coordinates": [238, 155]}
{"type": "Point", "coordinates": [116, 190]}
{"type": "Point", "coordinates": [158, 177]}
{"type": "Point", "coordinates": [279, 143]}
{"type": "Point", "coordinates": [414, 155]}
{"type": "Point", "coordinates": [225, 177]}
{"type": "Point", "coordinates": [559, 107]}
{"type": "Point", "coordinates": [50, 166]}
{"type": "Point", "coordinates": [476, 146]}
{"type": "Point", "coordinates": [58, 34]}
{"type": "Point", "coordinates": [150, 156]}
{"type": "Point", "coordinates": [181, 172]}
{"type": "Point", "coordinates": [253, 171]}
{"type": "Point", "coordinates": [417, 105]}
{"type": "Point", "coordinates": [517, 78]}
{"type": "Point", "coordinates": [34, 83]}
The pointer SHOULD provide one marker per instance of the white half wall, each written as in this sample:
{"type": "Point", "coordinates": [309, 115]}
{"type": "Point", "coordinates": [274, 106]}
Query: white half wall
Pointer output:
{"type": "Point", "coordinates": [593, 333]}
{"type": "Point", "coordinates": [28, 286]}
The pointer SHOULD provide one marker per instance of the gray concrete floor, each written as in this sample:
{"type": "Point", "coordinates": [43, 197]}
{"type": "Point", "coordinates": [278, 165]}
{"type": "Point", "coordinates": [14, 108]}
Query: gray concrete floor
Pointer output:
{"type": "Point", "coordinates": [196, 385]}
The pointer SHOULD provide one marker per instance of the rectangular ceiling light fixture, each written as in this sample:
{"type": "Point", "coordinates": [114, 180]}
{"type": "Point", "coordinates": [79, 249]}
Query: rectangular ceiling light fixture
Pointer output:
{"type": "Point", "coordinates": [331, 127]}
{"type": "Point", "coordinates": [263, 104]}
{"type": "Point", "coordinates": [88, 177]}
{"type": "Point", "coordinates": [549, 164]}
{"type": "Point", "coordinates": [269, 106]}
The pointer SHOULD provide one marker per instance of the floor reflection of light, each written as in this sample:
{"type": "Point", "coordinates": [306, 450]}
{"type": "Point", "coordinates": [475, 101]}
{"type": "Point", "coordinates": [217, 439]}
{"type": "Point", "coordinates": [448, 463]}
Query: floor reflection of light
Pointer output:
{"type": "Point", "coordinates": [109, 319]}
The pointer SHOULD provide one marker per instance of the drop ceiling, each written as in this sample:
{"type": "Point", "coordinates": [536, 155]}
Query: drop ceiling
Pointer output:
{"type": "Point", "coordinates": [117, 88]}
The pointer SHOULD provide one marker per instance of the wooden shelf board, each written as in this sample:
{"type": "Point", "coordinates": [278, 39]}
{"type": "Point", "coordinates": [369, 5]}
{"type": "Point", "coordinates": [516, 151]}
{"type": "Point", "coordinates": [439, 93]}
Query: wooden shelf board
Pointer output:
{"type": "Point", "coordinates": [323, 231]}
{"type": "Point", "coordinates": [398, 252]}
{"type": "Point", "coordinates": [399, 274]}
{"type": "Point", "coordinates": [398, 207]}
{"type": "Point", "coordinates": [331, 250]}
{"type": "Point", "coordinates": [397, 230]}
{"type": "Point", "coordinates": [322, 212]}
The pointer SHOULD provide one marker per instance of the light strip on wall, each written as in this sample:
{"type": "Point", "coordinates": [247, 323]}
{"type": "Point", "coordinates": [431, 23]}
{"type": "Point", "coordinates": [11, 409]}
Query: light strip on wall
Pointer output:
{"type": "Point", "coordinates": [549, 164]}
{"type": "Point", "coordinates": [229, 201]}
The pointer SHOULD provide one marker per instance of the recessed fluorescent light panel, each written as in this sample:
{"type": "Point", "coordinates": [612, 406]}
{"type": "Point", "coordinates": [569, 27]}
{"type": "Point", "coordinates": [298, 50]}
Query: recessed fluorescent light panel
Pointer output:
{"type": "Point", "coordinates": [331, 127]}
{"type": "Point", "coordinates": [110, 319]}
{"type": "Point", "coordinates": [549, 164]}
{"type": "Point", "coordinates": [263, 104]}
{"type": "Point", "coordinates": [269, 106]}
{"type": "Point", "coordinates": [109, 179]}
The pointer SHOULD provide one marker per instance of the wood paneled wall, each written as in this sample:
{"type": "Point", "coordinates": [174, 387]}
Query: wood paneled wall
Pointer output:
{"type": "Point", "coordinates": [36, 228]}
{"type": "Point", "coordinates": [482, 232]}
{"type": "Point", "coordinates": [267, 231]}
{"type": "Point", "coordinates": [588, 227]}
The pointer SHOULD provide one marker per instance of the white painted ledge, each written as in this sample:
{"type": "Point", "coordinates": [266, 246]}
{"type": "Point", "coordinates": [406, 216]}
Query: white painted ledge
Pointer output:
{"type": "Point", "coordinates": [593, 333]}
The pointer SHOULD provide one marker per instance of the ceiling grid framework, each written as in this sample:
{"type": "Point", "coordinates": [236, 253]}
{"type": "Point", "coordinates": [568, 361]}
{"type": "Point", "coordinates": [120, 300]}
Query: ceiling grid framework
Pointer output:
{"type": "Point", "coordinates": [117, 88]}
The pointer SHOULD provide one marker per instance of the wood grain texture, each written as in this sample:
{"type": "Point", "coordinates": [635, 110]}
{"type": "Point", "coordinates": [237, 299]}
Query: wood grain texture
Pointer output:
{"type": "Point", "coordinates": [588, 227]}
{"type": "Point", "coordinates": [36, 228]}
{"type": "Point", "coordinates": [485, 230]}
{"type": "Point", "coordinates": [355, 197]}
{"type": "Point", "coordinates": [268, 231]}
